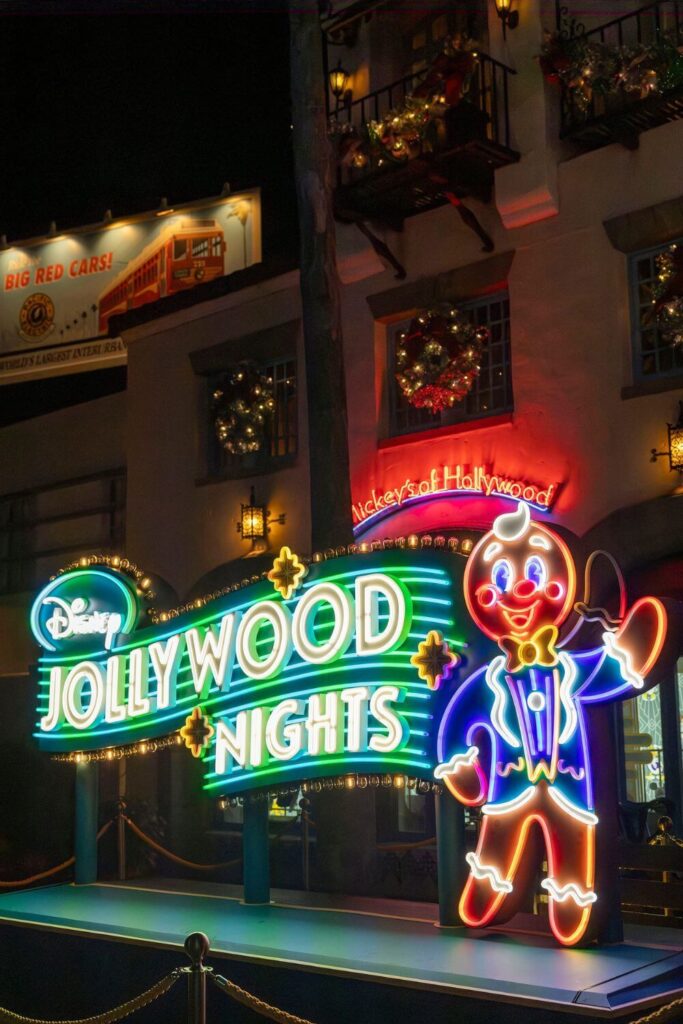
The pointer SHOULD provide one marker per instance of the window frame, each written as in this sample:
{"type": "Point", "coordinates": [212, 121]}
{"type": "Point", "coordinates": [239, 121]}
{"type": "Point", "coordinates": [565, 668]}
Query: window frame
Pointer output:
{"type": "Point", "coordinates": [449, 420]}
{"type": "Point", "coordinates": [223, 466]}
{"type": "Point", "coordinates": [639, 377]}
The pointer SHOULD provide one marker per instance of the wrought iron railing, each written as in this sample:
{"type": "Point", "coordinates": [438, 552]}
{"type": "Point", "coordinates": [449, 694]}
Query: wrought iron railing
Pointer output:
{"type": "Point", "coordinates": [488, 93]}
{"type": "Point", "coordinates": [651, 23]}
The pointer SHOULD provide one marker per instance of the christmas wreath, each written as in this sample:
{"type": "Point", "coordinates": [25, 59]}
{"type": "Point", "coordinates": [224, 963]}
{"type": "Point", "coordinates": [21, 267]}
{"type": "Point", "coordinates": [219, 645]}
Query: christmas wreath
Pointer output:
{"type": "Point", "coordinates": [243, 403]}
{"type": "Point", "coordinates": [668, 295]}
{"type": "Point", "coordinates": [438, 358]}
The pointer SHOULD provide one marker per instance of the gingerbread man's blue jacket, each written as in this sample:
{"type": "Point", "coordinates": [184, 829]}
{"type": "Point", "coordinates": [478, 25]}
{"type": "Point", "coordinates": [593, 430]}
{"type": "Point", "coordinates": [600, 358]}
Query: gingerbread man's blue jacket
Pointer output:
{"type": "Point", "coordinates": [524, 726]}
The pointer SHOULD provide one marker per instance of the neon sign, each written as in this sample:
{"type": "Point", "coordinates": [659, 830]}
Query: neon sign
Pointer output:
{"type": "Point", "coordinates": [443, 481]}
{"type": "Point", "coordinates": [515, 740]}
{"type": "Point", "coordinates": [317, 670]}
{"type": "Point", "coordinates": [411, 661]}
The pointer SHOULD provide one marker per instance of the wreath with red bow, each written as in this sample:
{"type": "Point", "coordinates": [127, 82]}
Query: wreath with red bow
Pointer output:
{"type": "Point", "coordinates": [438, 358]}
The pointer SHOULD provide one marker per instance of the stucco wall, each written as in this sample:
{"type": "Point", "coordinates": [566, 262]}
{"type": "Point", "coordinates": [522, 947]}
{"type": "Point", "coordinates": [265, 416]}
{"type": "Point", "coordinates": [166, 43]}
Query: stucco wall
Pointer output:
{"type": "Point", "coordinates": [177, 526]}
{"type": "Point", "coordinates": [571, 344]}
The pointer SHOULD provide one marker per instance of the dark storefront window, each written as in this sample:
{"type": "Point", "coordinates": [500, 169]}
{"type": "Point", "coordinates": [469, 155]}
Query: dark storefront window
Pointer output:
{"type": "Point", "coordinates": [491, 393]}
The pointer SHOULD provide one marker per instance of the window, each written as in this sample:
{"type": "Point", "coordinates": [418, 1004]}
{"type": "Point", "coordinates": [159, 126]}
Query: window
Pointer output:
{"type": "Point", "coordinates": [200, 246]}
{"type": "Point", "coordinates": [179, 248]}
{"type": "Point", "coordinates": [491, 393]}
{"type": "Point", "coordinates": [281, 440]}
{"type": "Point", "coordinates": [216, 246]}
{"type": "Point", "coordinates": [43, 529]}
{"type": "Point", "coordinates": [643, 746]}
{"type": "Point", "coordinates": [653, 354]}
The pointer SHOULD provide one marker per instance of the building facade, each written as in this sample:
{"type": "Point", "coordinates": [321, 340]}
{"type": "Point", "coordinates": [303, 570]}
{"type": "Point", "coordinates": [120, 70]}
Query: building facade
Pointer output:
{"type": "Point", "coordinates": [540, 217]}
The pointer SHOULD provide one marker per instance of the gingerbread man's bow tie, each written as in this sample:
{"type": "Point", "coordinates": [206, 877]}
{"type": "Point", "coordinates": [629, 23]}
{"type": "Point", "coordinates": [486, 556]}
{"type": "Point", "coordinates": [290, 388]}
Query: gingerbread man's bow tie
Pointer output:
{"type": "Point", "coordinates": [537, 650]}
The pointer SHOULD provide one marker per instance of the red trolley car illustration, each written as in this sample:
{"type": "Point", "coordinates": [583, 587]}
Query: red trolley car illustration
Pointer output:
{"type": "Point", "coordinates": [184, 255]}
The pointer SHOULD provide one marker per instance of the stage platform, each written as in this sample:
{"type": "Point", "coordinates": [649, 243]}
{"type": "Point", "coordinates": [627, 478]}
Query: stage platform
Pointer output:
{"type": "Point", "coordinates": [384, 942]}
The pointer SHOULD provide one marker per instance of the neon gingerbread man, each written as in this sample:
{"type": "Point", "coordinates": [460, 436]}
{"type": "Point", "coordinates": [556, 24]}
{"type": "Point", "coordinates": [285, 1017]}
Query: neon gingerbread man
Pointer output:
{"type": "Point", "coordinates": [513, 739]}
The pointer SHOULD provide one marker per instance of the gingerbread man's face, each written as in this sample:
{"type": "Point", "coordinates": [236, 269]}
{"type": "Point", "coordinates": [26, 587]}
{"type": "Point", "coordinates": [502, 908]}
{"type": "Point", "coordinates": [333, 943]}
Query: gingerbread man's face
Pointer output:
{"type": "Point", "coordinates": [519, 578]}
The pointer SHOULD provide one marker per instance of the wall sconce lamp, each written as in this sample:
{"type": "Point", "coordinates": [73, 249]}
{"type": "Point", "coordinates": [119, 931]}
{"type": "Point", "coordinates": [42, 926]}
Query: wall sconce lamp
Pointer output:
{"type": "Point", "coordinates": [509, 17]}
{"type": "Point", "coordinates": [675, 452]}
{"type": "Point", "coordinates": [339, 80]}
{"type": "Point", "coordinates": [255, 520]}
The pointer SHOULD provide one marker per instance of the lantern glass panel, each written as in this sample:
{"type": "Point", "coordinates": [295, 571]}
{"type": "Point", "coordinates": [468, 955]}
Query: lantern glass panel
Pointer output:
{"type": "Point", "coordinates": [253, 522]}
{"type": "Point", "coordinates": [676, 446]}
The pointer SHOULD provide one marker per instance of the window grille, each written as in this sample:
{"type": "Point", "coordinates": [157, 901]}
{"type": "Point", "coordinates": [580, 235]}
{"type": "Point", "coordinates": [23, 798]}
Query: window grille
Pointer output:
{"type": "Point", "coordinates": [653, 354]}
{"type": "Point", "coordinates": [45, 528]}
{"type": "Point", "coordinates": [491, 392]}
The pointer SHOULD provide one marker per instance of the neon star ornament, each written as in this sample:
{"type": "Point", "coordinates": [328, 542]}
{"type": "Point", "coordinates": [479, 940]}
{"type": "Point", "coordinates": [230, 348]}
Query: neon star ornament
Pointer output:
{"type": "Point", "coordinates": [434, 659]}
{"type": "Point", "coordinates": [514, 739]}
{"type": "Point", "coordinates": [287, 573]}
{"type": "Point", "coordinates": [197, 732]}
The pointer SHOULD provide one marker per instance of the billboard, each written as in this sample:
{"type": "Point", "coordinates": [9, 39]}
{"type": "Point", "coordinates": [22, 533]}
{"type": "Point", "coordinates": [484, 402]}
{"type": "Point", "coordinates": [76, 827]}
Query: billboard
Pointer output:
{"type": "Point", "coordinates": [59, 294]}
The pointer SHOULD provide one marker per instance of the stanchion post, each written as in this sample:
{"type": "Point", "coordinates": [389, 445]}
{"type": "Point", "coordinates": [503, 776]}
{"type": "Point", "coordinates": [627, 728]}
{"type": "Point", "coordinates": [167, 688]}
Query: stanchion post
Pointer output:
{"type": "Point", "coordinates": [85, 830]}
{"type": "Point", "coordinates": [255, 851]}
{"type": "Point", "coordinates": [197, 948]}
{"type": "Point", "coordinates": [305, 839]}
{"type": "Point", "coordinates": [450, 855]}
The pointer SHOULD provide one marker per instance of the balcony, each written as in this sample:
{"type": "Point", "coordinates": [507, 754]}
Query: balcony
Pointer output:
{"type": "Point", "coordinates": [637, 71]}
{"type": "Point", "coordinates": [457, 159]}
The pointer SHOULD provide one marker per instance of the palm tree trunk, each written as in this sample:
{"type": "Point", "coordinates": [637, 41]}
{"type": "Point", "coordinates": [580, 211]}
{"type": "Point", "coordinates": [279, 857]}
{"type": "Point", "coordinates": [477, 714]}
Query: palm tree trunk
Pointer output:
{"type": "Point", "coordinates": [325, 384]}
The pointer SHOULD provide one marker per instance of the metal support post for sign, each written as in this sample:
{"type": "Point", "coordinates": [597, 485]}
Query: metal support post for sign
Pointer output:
{"type": "Point", "coordinates": [450, 855]}
{"type": "Point", "coordinates": [121, 821]}
{"type": "Point", "coordinates": [255, 851]}
{"type": "Point", "coordinates": [608, 920]}
{"type": "Point", "coordinates": [305, 839]}
{"type": "Point", "coordinates": [85, 838]}
{"type": "Point", "coordinates": [197, 948]}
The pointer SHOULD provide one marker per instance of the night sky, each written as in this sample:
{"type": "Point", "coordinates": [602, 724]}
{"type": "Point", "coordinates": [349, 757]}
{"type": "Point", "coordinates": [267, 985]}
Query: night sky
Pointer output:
{"type": "Point", "coordinates": [115, 109]}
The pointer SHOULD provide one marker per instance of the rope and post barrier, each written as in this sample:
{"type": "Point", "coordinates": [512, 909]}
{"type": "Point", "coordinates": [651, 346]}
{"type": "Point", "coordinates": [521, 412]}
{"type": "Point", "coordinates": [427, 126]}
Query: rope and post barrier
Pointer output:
{"type": "Point", "coordinates": [197, 948]}
{"type": "Point", "coordinates": [19, 883]}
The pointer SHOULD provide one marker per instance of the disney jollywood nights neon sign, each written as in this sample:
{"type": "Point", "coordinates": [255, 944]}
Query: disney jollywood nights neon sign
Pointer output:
{"type": "Point", "coordinates": [394, 660]}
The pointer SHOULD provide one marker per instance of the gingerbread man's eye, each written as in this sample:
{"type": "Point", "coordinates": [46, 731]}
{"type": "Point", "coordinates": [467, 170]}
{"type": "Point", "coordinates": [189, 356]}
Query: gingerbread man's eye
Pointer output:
{"type": "Point", "coordinates": [502, 575]}
{"type": "Point", "coordinates": [535, 571]}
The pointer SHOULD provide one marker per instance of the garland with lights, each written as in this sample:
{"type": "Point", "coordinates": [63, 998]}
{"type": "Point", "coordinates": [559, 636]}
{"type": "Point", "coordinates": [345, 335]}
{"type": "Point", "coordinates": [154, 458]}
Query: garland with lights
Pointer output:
{"type": "Point", "coordinates": [419, 124]}
{"type": "Point", "coordinates": [668, 295]}
{"type": "Point", "coordinates": [438, 358]}
{"type": "Point", "coordinates": [588, 68]}
{"type": "Point", "coordinates": [243, 402]}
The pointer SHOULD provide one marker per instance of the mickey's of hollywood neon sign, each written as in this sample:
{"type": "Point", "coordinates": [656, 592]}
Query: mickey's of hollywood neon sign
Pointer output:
{"type": "Point", "coordinates": [514, 740]}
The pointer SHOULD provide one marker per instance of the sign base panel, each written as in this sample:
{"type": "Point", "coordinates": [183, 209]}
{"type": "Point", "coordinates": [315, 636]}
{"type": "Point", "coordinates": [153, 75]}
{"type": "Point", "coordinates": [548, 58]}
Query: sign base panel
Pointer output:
{"type": "Point", "coordinates": [365, 940]}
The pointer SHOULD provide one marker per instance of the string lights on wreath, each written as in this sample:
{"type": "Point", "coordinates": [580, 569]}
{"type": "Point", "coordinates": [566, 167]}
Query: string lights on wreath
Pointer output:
{"type": "Point", "coordinates": [243, 403]}
{"type": "Point", "coordinates": [438, 358]}
{"type": "Point", "coordinates": [668, 294]}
